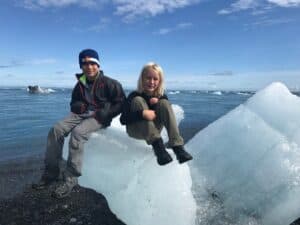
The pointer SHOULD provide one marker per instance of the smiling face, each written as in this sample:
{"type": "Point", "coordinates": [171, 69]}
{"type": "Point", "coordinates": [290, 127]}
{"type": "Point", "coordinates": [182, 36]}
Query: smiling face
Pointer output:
{"type": "Point", "coordinates": [151, 81]}
{"type": "Point", "coordinates": [90, 68]}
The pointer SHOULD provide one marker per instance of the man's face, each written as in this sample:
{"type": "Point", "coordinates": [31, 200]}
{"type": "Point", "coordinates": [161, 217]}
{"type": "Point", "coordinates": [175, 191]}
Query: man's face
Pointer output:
{"type": "Point", "coordinates": [89, 68]}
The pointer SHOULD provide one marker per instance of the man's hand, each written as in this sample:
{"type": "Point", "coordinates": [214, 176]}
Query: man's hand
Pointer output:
{"type": "Point", "coordinates": [149, 114]}
{"type": "Point", "coordinates": [78, 107]}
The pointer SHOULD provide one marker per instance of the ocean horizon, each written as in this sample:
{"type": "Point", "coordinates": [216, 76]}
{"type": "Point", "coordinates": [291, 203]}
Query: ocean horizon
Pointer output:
{"type": "Point", "coordinates": [26, 118]}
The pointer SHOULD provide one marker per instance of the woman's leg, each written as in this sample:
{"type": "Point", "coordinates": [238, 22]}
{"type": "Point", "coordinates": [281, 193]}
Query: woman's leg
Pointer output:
{"type": "Point", "coordinates": [149, 131]}
{"type": "Point", "coordinates": [144, 129]}
{"type": "Point", "coordinates": [166, 117]}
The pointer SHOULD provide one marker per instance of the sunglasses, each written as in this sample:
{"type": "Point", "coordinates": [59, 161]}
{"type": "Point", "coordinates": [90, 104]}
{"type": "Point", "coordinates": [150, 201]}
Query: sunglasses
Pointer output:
{"type": "Point", "coordinates": [89, 63]}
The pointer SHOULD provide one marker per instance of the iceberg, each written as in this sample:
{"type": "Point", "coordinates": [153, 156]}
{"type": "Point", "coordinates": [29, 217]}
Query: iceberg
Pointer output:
{"type": "Point", "coordinates": [38, 90]}
{"type": "Point", "coordinates": [138, 190]}
{"type": "Point", "coordinates": [217, 93]}
{"type": "Point", "coordinates": [246, 167]}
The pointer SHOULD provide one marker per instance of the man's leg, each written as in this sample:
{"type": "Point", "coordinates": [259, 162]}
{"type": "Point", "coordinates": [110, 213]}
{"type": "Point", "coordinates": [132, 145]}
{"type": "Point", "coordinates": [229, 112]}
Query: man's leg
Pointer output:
{"type": "Point", "coordinates": [55, 142]}
{"type": "Point", "coordinates": [79, 136]}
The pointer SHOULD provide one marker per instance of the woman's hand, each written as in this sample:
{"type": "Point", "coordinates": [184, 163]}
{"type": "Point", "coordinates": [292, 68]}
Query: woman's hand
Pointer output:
{"type": "Point", "coordinates": [153, 101]}
{"type": "Point", "coordinates": [149, 114]}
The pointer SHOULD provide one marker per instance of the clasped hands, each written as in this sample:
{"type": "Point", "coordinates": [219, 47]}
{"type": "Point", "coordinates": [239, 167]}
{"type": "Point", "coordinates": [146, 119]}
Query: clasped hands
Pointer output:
{"type": "Point", "coordinates": [149, 114]}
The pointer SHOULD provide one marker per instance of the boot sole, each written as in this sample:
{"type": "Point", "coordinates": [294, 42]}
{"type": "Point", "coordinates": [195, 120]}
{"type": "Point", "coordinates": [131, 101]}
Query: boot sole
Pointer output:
{"type": "Point", "coordinates": [164, 162]}
{"type": "Point", "coordinates": [42, 187]}
{"type": "Point", "coordinates": [185, 160]}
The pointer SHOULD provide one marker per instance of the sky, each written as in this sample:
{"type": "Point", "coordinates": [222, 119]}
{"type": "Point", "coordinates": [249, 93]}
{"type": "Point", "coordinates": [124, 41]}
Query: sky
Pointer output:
{"type": "Point", "coordinates": [200, 44]}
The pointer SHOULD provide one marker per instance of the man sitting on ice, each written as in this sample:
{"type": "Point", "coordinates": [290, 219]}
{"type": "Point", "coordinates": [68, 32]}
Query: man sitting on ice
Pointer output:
{"type": "Point", "coordinates": [96, 99]}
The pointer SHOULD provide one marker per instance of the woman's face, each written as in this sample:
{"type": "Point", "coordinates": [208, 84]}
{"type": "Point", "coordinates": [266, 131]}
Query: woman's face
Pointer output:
{"type": "Point", "coordinates": [151, 81]}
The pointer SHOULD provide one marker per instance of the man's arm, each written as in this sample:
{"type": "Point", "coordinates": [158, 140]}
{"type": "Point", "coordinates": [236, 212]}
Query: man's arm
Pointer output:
{"type": "Point", "coordinates": [77, 104]}
{"type": "Point", "coordinates": [114, 105]}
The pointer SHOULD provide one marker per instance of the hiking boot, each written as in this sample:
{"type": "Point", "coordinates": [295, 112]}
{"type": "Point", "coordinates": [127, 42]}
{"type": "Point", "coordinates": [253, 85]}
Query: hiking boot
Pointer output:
{"type": "Point", "coordinates": [163, 157]}
{"type": "Point", "coordinates": [49, 176]}
{"type": "Point", "coordinates": [65, 188]}
{"type": "Point", "coordinates": [181, 155]}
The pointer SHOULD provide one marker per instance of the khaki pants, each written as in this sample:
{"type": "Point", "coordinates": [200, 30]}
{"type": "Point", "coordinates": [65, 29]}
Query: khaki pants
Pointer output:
{"type": "Point", "coordinates": [150, 130]}
{"type": "Point", "coordinates": [80, 129]}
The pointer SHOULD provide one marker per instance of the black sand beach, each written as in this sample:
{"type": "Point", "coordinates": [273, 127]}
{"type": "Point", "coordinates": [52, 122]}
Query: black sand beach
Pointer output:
{"type": "Point", "coordinates": [21, 205]}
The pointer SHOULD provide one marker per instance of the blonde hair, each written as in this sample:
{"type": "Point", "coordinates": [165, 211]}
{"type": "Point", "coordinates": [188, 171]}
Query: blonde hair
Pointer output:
{"type": "Point", "coordinates": [153, 66]}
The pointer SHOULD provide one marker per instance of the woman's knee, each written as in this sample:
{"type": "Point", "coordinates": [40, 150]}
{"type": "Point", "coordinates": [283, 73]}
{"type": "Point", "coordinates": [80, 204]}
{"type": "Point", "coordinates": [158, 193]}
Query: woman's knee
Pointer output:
{"type": "Point", "coordinates": [143, 130]}
{"type": "Point", "coordinates": [138, 103]}
{"type": "Point", "coordinates": [164, 104]}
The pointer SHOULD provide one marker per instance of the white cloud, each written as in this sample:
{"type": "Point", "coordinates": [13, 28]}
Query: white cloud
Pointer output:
{"type": "Point", "coordinates": [164, 31]}
{"type": "Point", "coordinates": [258, 6]}
{"type": "Point", "coordinates": [17, 63]}
{"type": "Point", "coordinates": [184, 25]}
{"type": "Point", "coordinates": [285, 3]}
{"type": "Point", "coordinates": [131, 9]}
{"type": "Point", "coordinates": [239, 5]}
{"type": "Point", "coordinates": [36, 4]}
{"type": "Point", "coordinates": [269, 22]}
{"type": "Point", "coordinates": [223, 73]}
{"type": "Point", "coordinates": [178, 27]}
{"type": "Point", "coordinates": [127, 9]}
{"type": "Point", "coordinates": [103, 23]}
{"type": "Point", "coordinates": [41, 61]}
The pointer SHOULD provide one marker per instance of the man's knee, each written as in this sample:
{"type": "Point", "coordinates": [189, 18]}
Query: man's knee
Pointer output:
{"type": "Point", "coordinates": [57, 130]}
{"type": "Point", "coordinates": [78, 133]}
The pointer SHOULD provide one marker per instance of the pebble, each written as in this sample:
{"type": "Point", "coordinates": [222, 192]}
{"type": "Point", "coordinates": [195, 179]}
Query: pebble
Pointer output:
{"type": "Point", "coordinates": [73, 220]}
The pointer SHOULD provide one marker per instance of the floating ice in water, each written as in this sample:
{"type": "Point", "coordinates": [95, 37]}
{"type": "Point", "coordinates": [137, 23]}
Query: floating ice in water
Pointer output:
{"type": "Point", "coordinates": [138, 190]}
{"type": "Point", "coordinates": [38, 90]}
{"type": "Point", "coordinates": [217, 93]}
{"type": "Point", "coordinates": [49, 90]}
{"type": "Point", "coordinates": [243, 93]}
{"type": "Point", "coordinates": [246, 167]}
{"type": "Point", "coordinates": [173, 92]}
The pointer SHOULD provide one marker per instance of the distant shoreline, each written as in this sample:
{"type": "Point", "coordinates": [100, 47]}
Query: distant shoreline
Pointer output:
{"type": "Point", "coordinates": [133, 88]}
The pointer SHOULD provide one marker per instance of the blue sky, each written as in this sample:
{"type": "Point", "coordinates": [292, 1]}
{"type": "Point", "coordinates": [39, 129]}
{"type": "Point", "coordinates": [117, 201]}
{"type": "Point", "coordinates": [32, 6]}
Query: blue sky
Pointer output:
{"type": "Point", "coordinates": [200, 44]}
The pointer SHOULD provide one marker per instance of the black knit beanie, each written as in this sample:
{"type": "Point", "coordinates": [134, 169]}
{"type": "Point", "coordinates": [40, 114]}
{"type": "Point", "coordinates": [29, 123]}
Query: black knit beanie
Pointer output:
{"type": "Point", "coordinates": [88, 53]}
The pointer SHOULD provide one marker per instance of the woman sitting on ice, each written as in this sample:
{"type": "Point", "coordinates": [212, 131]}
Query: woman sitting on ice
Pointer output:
{"type": "Point", "coordinates": [147, 110]}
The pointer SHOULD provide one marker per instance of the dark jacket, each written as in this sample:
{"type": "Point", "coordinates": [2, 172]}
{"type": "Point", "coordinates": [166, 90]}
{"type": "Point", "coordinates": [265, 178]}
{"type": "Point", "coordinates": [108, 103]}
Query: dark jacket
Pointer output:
{"type": "Point", "coordinates": [129, 116]}
{"type": "Point", "coordinates": [108, 97]}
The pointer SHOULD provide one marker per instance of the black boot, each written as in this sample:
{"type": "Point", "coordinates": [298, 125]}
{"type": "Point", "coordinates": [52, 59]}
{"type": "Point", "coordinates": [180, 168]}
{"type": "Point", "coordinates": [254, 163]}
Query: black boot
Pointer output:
{"type": "Point", "coordinates": [162, 155]}
{"type": "Point", "coordinates": [49, 176]}
{"type": "Point", "coordinates": [181, 155]}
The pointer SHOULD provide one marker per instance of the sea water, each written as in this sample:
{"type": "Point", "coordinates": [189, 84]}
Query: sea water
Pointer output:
{"type": "Point", "coordinates": [25, 118]}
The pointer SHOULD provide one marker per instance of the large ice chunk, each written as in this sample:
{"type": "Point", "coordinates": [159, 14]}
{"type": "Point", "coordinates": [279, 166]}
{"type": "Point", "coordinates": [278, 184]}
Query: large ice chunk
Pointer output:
{"type": "Point", "coordinates": [138, 190]}
{"type": "Point", "coordinates": [246, 167]}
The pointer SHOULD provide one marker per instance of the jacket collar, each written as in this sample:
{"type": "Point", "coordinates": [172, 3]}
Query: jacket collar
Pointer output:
{"type": "Point", "coordinates": [81, 77]}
